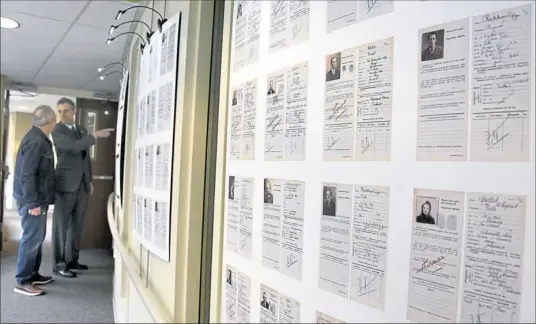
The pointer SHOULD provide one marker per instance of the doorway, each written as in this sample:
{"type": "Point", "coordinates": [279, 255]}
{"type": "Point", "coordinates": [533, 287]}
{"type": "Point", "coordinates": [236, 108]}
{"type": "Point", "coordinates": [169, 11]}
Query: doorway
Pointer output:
{"type": "Point", "coordinates": [96, 114]}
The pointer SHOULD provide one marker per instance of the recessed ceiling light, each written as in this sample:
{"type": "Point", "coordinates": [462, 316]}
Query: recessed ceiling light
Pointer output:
{"type": "Point", "coordinates": [8, 23]}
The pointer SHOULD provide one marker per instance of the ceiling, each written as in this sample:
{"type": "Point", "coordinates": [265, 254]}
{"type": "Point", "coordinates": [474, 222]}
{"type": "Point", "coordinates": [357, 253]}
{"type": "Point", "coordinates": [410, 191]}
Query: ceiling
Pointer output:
{"type": "Point", "coordinates": [62, 43]}
{"type": "Point", "coordinates": [26, 103]}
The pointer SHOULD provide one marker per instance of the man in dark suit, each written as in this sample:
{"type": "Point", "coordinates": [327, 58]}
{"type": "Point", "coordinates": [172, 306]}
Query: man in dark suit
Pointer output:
{"type": "Point", "coordinates": [432, 52]}
{"type": "Point", "coordinates": [268, 197]}
{"type": "Point", "coordinates": [334, 73]}
{"type": "Point", "coordinates": [329, 204]}
{"type": "Point", "coordinates": [73, 187]}
{"type": "Point", "coordinates": [264, 301]}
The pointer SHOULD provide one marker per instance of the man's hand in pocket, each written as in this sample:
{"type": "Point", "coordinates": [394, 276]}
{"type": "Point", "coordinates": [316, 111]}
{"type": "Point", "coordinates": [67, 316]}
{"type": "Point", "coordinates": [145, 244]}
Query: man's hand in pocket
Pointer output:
{"type": "Point", "coordinates": [35, 211]}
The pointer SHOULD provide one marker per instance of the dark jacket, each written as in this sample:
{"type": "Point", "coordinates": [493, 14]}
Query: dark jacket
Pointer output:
{"type": "Point", "coordinates": [33, 184]}
{"type": "Point", "coordinates": [72, 151]}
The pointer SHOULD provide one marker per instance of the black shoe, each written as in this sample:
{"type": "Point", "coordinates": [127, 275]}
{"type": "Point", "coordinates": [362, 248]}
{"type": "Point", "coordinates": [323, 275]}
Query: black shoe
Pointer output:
{"type": "Point", "coordinates": [65, 273]}
{"type": "Point", "coordinates": [77, 266]}
{"type": "Point", "coordinates": [41, 280]}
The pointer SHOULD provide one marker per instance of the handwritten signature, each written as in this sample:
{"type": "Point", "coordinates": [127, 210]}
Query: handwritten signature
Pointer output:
{"type": "Point", "coordinates": [291, 260]}
{"type": "Point", "coordinates": [493, 137]}
{"type": "Point", "coordinates": [364, 289]}
{"type": "Point", "coordinates": [336, 110]}
{"type": "Point", "coordinates": [331, 142]}
{"type": "Point", "coordinates": [429, 263]}
{"type": "Point", "coordinates": [365, 144]}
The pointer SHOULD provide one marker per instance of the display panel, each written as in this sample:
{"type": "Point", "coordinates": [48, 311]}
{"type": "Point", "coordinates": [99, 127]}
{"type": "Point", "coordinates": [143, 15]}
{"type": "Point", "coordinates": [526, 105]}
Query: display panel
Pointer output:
{"type": "Point", "coordinates": [155, 129]}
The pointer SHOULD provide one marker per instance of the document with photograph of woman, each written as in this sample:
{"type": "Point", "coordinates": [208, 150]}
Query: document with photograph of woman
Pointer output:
{"type": "Point", "coordinates": [435, 256]}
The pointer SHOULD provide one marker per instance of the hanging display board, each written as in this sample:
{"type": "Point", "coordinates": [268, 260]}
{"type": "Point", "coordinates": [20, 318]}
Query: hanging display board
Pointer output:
{"type": "Point", "coordinates": [120, 138]}
{"type": "Point", "coordinates": [155, 126]}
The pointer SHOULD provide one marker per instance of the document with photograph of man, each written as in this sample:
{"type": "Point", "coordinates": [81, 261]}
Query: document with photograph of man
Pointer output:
{"type": "Point", "coordinates": [282, 229]}
{"type": "Point", "coordinates": [443, 98]}
{"type": "Point", "coordinates": [339, 105]}
{"type": "Point", "coordinates": [435, 256]}
{"type": "Point", "coordinates": [278, 308]}
{"type": "Point", "coordinates": [237, 296]}
{"type": "Point", "coordinates": [286, 108]}
{"type": "Point", "coordinates": [246, 33]}
{"type": "Point", "coordinates": [335, 238]}
{"type": "Point", "coordinates": [269, 303]}
{"type": "Point", "coordinates": [239, 217]}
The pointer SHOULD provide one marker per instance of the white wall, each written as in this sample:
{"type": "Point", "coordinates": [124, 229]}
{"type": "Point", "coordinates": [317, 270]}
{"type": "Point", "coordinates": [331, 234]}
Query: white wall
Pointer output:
{"type": "Point", "coordinates": [402, 174]}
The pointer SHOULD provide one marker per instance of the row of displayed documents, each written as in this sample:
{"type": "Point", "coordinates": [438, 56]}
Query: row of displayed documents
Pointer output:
{"type": "Point", "coordinates": [354, 226]}
{"type": "Point", "coordinates": [474, 96]}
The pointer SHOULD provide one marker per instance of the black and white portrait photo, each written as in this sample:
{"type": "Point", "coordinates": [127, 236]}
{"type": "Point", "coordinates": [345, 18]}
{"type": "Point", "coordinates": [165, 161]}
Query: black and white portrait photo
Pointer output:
{"type": "Point", "coordinates": [271, 88]}
{"type": "Point", "coordinates": [432, 45]}
{"type": "Point", "coordinates": [264, 302]}
{"type": "Point", "coordinates": [231, 187]}
{"type": "Point", "coordinates": [229, 279]}
{"type": "Point", "coordinates": [268, 196]}
{"type": "Point", "coordinates": [239, 11]}
{"type": "Point", "coordinates": [426, 210]}
{"type": "Point", "coordinates": [235, 98]}
{"type": "Point", "coordinates": [330, 205]}
{"type": "Point", "coordinates": [333, 69]}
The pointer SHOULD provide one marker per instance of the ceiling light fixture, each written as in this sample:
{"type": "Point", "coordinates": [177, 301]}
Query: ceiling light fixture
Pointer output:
{"type": "Point", "coordinates": [102, 77]}
{"type": "Point", "coordinates": [107, 66]}
{"type": "Point", "coordinates": [148, 35]}
{"type": "Point", "coordinates": [8, 23]}
{"type": "Point", "coordinates": [142, 45]}
{"type": "Point", "coordinates": [161, 21]}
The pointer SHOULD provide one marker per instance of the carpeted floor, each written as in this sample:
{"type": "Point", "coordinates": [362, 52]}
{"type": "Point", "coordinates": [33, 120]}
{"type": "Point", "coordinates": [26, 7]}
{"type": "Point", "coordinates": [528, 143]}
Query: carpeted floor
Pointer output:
{"type": "Point", "coordinates": [85, 299]}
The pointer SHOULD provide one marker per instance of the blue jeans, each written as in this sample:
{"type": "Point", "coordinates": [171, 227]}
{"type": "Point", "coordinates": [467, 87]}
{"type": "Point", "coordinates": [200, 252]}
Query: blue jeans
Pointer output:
{"type": "Point", "coordinates": [31, 244]}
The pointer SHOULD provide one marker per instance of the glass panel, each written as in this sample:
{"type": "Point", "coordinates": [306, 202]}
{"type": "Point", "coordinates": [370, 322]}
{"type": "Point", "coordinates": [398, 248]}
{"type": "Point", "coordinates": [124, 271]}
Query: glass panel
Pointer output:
{"type": "Point", "coordinates": [91, 122]}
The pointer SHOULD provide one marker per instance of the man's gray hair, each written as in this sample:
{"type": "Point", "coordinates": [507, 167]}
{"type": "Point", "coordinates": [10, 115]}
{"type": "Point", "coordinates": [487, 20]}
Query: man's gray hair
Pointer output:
{"type": "Point", "coordinates": [43, 115]}
{"type": "Point", "coordinates": [66, 101]}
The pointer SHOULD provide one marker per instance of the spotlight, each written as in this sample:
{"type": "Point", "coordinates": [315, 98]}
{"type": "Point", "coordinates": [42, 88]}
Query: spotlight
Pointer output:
{"type": "Point", "coordinates": [8, 23]}
{"type": "Point", "coordinates": [107, 66]}
{"type": "Point", "coordinates": [110, 40]}
{"type": "Point", "coordinates": [119, 14]}
{"type": "Point", "coordinates": [149, 33]}
{"type": "Point", "coordinates": [102, 77]}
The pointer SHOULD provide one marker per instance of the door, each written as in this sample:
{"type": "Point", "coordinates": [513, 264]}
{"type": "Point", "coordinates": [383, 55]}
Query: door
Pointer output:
{"type": "Point", "coordinates": [4, 172]}
{"type": "Point", "coordinates": [94, 115]}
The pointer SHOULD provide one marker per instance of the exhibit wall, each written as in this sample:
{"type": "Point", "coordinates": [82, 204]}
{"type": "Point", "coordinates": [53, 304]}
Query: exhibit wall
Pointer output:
{"type": "Point", "coordinates": [150, 286]}
{"type": "Point", "coordinates": [380, 162]}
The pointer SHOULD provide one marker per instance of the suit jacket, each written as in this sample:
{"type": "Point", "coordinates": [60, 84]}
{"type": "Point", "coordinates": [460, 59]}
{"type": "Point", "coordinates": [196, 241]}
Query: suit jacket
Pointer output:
{"type": "Point", "coordinates": [329, 210]}
{"type": "Point", "coordinates": [74, 162]}
{"type": "Point", "coordinates": [331, 77]}
{"type": "Point", "coordinates": [426, 55]}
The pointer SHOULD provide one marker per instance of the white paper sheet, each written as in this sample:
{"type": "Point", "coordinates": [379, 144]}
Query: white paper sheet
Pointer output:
{"type": "Point", "coordinates": [435, 256]}
{"type": "Point", "coordinates": [286, 109]}
{"type": "Point", "coordinates": [502, 65]}
{"type": "Point", "coordinates": [492, 276]}
{"type": "Point", "coordinates": [247, 33]}
{"type": "Point", "coordinates": [443, 79]}
{"type": "Point", "coordinates": [289, 23]}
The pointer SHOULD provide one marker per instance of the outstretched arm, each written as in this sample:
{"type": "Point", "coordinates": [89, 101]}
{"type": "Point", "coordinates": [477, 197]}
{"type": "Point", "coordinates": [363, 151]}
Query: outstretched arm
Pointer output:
{"type": "Point", "coordinates": [64, 142]}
